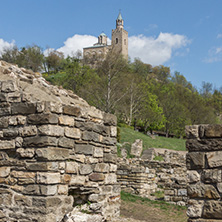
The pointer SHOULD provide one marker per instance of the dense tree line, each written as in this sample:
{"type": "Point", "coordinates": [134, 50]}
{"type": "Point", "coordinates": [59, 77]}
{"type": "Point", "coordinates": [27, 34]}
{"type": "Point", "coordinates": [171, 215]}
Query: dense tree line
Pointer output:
{"type": "Point", "coordinates": [147, 97]}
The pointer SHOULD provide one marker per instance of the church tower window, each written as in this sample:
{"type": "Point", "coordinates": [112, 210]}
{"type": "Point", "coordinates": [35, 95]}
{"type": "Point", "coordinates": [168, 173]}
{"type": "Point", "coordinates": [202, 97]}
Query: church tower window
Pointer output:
{"type": "Point", "coordinates": [116, 40]}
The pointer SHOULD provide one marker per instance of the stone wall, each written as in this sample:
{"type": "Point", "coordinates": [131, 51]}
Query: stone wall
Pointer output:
{"type": "Point", "coordinates": [57, 154]}
{"type": "Point", "coordinates": [204, 164]}
{"type": "Point", "coordinates": [147, 177]}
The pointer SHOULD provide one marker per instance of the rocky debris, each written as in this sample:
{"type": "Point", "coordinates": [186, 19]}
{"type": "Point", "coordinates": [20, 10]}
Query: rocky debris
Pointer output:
{"type": "Point", "coordinates": [137, 148]}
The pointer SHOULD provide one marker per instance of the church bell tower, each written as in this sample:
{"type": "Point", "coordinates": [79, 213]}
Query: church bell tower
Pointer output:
{"type": "Point", "coordinates": [120, 38]}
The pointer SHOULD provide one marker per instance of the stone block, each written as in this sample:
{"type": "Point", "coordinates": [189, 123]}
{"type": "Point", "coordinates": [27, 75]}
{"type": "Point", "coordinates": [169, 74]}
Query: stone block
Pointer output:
{"type": "Point", "coordinates": [42, 166]}
{"type": "Point", "coordinates": [42, 118]}
{"type": "Point", "coordinates": [201, 190]}
{"type": "Point", "coordinates": [4, 122]}
{"type": "Point", "coordinates": [109, 158]}
{"type": "Point", "coordinates": [32, 189]}
{"type": "Point", "coordinates": [204, 144]}
{"type": "Point", "coordinates": [48, 190]}
{"type": "Point", "coordinates": [214, 159]}
{"type": "Point", "coordinates": [195, 208]}
{"type": "Point", "coordinates": [18, 142]}
{"type": "Point", "coordinates": [110, 178]}
{"type": "Point", "coordinates": [23, 108]}
{"type": "Point", "coordinates": [48, 178]}
{"type": "Point", "coordinates": [101, 167]}
{"type": "Point", "coordinates": [28, 131]}
{"type": "Point", "coordinates": [137, 148]}
{"type": "Point", "coordinates": [5, 109]}
{"type": "Point", "coordinates": [91, 136]}
{"type": "Point", "coordinates": [97, 177]}
{"type": "Point", "coordinates": [212, 209]}
{"type": "Point", "coordinates": [96, 197]}
{"type": "Point", "coordinates": [7, 144]}
{"type": "Point", "coordinates": [77, 180]}
{"type": "Point", "coordinates": [51, 130]}
{"type": "Point", "coordinates": [213, 131]}
{"type": "Point", "coordinates": [39, 141]}
{"type": "Point", "coordinates": [182, 192]}
{"type": "Point", "coordinates": [109, 119]}
{"type": "Point", "coordinates": [52, 153]}
{"type": "Point", "coordinates": [22, 201]}
{"type": "Point", "coordinates": [193, 176]}
{"type": "Point", "coordinates": [72, 110]}
{"type": "Point", "coordinates": [9, 86]}
{"type": "Point", "coordinates": [85, 169]}
{"type": "Point", "coordinates": [4, 171]}
{"type": "Point", "coordinates": [10, 132]}
{"type": "Point", "coordinates": [192, 132]}
{"type": "Point", "coordinates": [66, 178]}
{"type": "Point", "coordinates": [195, 160]}
{"type": "Point", "coordinates": [113, 131]}
{"type": "Point", "coordinates": [98, 152]}
{"type": "Point", "coordinates": [65, 142]}
{"type": "Point", "coordinates": [25, 153]}
{"type": "Point", "coordinates": [72, 133]}
{"type": "Point", "coordinates": [212, 176]}
{"type": "Point", "coordinates": [66, 120]}
{"type": "Point", "coordinates": [84, 149]}
{"type": "Point", "coordinates": [71, 167]}
{"type": "Point", "coordinates": [63, 189]}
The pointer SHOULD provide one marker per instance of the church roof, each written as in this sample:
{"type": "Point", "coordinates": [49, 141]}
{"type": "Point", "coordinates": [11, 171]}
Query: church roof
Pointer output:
{"type": "Point", "coordinates": [119, 16]}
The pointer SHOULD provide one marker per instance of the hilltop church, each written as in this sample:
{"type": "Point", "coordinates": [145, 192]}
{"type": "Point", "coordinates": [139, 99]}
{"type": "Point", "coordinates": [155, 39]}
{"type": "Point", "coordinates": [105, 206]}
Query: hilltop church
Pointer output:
{"type": "Point", "coordinates": [119, 42]}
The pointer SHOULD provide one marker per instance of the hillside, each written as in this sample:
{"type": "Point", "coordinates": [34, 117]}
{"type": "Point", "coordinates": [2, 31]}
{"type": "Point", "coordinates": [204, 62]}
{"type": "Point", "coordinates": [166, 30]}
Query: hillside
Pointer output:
{"type": "Point", "coordinates": [128, 135]}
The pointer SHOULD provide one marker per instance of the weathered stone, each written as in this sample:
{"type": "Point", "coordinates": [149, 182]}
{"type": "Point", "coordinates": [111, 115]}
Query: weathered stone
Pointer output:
{"type": "Point", "coordinates": [91, 136]}
{"type": "Point", "coordinates": [18, 142]}
{"type": "Point", "coordinates": [195, 160]}
{"type": "Point", "coordinates": [71, 167]}
{"type": "Point", "coordinates": [48, 178]}
{"type": "Point", "coordinates": [63, 189]}
{"type": "Point", "coordinates": [84, 149]}
{"type": "Point", "coordinates": [21, 200]}
{"type": "Point", "coordinates": [4, 171]}
{"type": "Point", "coordinates": [214, 159]}
{"type": "Point", "coordinates": [51, 130]}
{"type": "Point", "coordinates": [52, 153]}
{"type": "Point", "coordinates": [193, 176]}
{"type": "Point", "coordinates": [109, 158]}
{"type": "Point", "coordinates": [28, 131]}
{"type": "Point", "coordinates": [77, 180]}
{"type": "Point", "coordinates": [85, 169]}
{"type": "Point", "coordinates": [4, 122]}
{"type": "Point", "coordinates": [98, 152]}
{"type": "Point", "coordinates": [212, 176]}
{"type": "Point", "coordinates": [42, 118]}
{"type": "Point", "coordinates": [97, 177]}
{"type": "Point", "coordinates": [213, 131]}
{"type": "Point", "coordinates": [31, 190]}
{"type": "Point", "coordinates": [110, 178]}
{"type": "Point", "coordinates": [10, 132]}
{"type": "Point", "coordinates": [109, 119]}
{"type": "Point", "coordinates": [80, 158]}
{"type": "Point", "coordinates": [26, 153]}
{"type": "Point", "coordinates": [42, 166]}
{"type": "Point", "coordinates": [66, 120]}
{"type": "Point", "coordinates": [9, 86]}
{"type": "Point", "coordinates": [212, 209]}
{"type": "Point", "coordinates": [202, 191]}
{"type": "Point", "coordinates": [72, 110]}
{"type": "Point", "coordinates": [101, 168]}
{"type": "Point", "coordinates": [192, 132]}
{"type": "Point", "coordinates": [113, 131]}
{"type": "Point", "coordinates": [72, 133]}
{"type": "Point", "coordinates": [65, 142]}
{"type": "Point", "coordinates": [23, 108]}
{"type": "Point", "coordinates": [7, 144]}
{"type": "Point", "coordinates": [48, 190]}
{"type": "Point", "coordinates": [39, 141]}
{"type": "Point", "coordinates": [195, 208]}
{"type": "Point", "coordinates": [96, 197]}
{"type": "Point", "coordinates": [137, 148]}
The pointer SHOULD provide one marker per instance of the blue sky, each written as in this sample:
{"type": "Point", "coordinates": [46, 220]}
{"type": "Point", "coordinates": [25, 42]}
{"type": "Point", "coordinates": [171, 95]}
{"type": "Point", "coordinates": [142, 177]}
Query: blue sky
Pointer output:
{"type": "Point", "coordinates": [183, 34]}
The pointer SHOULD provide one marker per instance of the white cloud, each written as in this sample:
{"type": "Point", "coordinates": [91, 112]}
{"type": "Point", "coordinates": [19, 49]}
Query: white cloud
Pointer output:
{"type": "Point", "coordinates": [4, 45]}
{"type": "Point", "coordinates": [214, 55]}
{"type": "Point", "coordinates": [158, 50]}
{"type": "Point", "coordinates": [150, 50]}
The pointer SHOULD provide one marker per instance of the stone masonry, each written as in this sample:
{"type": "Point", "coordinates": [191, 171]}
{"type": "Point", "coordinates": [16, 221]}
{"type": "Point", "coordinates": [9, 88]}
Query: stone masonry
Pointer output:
{"type": "Point", "coordinates": [145, 177]}
{"type": "Point", "coordinates": [204, 164]}
{"type": "Point", "coordinates": [57, 153]}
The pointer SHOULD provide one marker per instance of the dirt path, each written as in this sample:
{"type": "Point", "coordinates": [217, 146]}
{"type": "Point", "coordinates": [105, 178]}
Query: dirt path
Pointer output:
{"type": "Point", "coordinates": [139, 212]}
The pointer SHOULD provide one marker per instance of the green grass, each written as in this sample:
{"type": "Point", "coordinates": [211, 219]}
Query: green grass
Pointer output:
{"type": "Point", "coordinates": [129, 135]}
{"type": "Point", "coordinates": [155, 203]}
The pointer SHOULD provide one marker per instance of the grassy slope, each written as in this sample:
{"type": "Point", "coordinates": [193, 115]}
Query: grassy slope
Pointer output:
{"type": "Point", "coordinates": [129, 135]}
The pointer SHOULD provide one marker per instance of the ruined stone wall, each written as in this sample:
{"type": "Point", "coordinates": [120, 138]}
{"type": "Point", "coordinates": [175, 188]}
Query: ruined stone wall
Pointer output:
{"type": "Point", "coordinates": [146, 177]}
{"type": "Point", "coordinates": [204, 164]}
{"type": "Point", "coordinates": [57, 154]}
